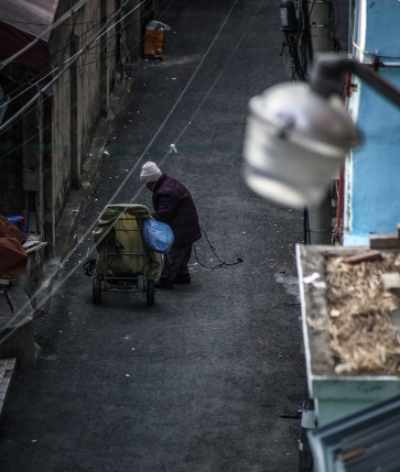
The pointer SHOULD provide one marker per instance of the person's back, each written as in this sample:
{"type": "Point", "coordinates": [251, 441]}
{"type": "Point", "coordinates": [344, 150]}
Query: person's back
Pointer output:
{"type": "Point", "coordinates": [174, 205]}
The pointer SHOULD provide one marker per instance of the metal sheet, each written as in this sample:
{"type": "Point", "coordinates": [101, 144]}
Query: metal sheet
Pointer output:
{"type": "Point", "coordinates": [20, 22]}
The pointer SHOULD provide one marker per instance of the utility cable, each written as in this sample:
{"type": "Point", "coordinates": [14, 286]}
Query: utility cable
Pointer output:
{"type": "Point", "coordinates": [66, 15]}
{"type": "Point", "coordinates": [37, 78]}
{"type": "Point", "coordinates": [31, 86]}
{"type": "Point", "coordinates": [61, 51]}
{"type": "Point", "coordinates": [198, 108]}
{"type": "Point", "coordinates": [92, 225]}
{"type": "Point", "coordinates": [50, 70]}
{"type": "Point", "coordinates": [8, 21]}
{"type": "Point", "coordinates": [214, 251]}
{"type": "Point", "coordinates": [34, 99]}
{"type": "Point", "coordinates": [69, 60]}
{"type": "Point", "coordinates": [75, 104]}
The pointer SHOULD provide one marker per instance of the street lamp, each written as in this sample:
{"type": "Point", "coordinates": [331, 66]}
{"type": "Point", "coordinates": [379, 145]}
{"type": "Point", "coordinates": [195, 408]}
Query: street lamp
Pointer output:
{"type": "Point", "coordinates": [298, 135]}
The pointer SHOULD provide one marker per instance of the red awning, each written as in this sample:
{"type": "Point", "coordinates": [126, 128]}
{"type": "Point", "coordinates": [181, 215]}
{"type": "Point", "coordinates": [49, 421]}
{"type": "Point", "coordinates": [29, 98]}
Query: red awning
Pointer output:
{"type": "Point", "coordinates": [21, 21]}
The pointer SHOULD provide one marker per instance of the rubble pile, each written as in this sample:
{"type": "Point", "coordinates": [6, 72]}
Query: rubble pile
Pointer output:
{"type": "Point", "coordinates": [364, 337]}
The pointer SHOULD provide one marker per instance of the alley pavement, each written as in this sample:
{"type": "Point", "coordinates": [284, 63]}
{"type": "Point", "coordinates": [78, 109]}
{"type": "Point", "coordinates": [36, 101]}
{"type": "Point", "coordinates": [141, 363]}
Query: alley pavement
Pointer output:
{"type": "Point", "coordinates": [199, 382]}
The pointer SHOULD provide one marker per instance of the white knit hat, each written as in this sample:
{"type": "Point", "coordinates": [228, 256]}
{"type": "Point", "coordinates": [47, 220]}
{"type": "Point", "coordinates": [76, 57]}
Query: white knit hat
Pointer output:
{"type": "Point", "coordinates": [150, 173]}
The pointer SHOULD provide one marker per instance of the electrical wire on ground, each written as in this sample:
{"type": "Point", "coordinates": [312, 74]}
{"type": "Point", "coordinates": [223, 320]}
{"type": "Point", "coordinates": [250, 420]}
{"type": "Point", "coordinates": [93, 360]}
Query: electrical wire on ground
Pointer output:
{"type": "Point", "coordinates": [134, 197]}
{"type": "Point", "coordinates": [214, 251]}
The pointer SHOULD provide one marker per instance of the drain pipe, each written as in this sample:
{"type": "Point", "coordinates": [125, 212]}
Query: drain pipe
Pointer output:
{"type": "Point", "coordinates": [320, 218]}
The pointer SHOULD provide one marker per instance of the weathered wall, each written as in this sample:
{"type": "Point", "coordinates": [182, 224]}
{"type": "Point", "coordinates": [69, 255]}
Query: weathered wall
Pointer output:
{"type": "Point", "coordinates": [12, 199]}
{"type": "Point", "coordinates": [88, 72]}
{"type": "Point", "coordinates": [38, 175]}
{"type": "Point", "coordinates": [81, 96]}
{"type": "Point", "coordinates": [60, 144]}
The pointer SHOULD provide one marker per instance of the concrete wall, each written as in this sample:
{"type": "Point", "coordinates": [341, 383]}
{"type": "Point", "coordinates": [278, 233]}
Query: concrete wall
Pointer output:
{"type": "Point", "coordinates": [50, 143]}
{"type": "Point", "coordinates": [60, 142]}
{"type": "Point", "coordinates": [372, 187]}
{"type": "Point", "coordinates": [81, 97]}
{"type": "Point", "coordinates": [88, 77]}
{"type": "Point", "coordinates": [12, 198]}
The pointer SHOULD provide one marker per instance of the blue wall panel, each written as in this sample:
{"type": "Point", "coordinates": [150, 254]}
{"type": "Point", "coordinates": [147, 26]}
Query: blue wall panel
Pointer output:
{"type": "Point", "coordinates": [375, 199]}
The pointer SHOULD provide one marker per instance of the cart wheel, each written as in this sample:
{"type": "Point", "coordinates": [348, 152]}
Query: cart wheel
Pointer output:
{"type": "Point", "coordinates": [150, 292]}
{"type": "Point", "coordinates": [96, 291]}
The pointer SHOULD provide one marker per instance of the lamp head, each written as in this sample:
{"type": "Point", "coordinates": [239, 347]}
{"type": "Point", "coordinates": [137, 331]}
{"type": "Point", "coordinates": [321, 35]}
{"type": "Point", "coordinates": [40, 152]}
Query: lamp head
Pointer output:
{"type": "Point", "coordinates": [296, 142]}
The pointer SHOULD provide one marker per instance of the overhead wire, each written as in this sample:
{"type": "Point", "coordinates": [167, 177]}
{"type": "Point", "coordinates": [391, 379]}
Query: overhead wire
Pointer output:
{"type": "Point", "coordinates": [184, 128]}
{"type": "Point", "coordinates": [45, 72]}
{"type": "Point", "coordinates": [39, 77]}
{"type": "Point", "coordinates": [54, 25]}
{"type": "Point", "coordinates": [296, 44]}
{"type": "Point", "coordinates": [69, 63]}
{"type": "Point", "coordinates": [75, 104]}
{"type": "Point", "coordinates": [160, 128]}
{"type": "Point", "coordinates": [48, 70]}
{"type": "Point", "coordinates": [4, 336]}
{"type": "Point", "coordinates": [7, 20]}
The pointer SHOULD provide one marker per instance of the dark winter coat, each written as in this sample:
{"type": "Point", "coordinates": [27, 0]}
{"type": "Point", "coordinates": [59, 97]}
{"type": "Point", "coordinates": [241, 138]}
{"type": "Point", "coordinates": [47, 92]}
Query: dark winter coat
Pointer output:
{"type": "Point", "coordinates": [174, 205]}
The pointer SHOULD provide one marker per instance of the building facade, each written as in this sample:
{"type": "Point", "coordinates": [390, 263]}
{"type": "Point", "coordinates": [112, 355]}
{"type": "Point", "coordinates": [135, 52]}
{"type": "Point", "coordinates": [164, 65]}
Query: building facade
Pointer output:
{"type": "Point", "coordinates": [371, 180]}
{"type": "Point", "coordinates": [88, 43]}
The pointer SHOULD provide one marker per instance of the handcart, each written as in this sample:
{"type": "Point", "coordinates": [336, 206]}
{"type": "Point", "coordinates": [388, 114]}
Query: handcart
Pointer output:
{"type": "Point", "coordinates": [123, 262]}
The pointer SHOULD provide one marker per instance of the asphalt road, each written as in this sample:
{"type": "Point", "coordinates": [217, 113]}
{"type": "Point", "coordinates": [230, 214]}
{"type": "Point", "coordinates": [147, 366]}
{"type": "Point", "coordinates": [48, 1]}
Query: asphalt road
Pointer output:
{"type": "Point", "coordinates": [198, 381]}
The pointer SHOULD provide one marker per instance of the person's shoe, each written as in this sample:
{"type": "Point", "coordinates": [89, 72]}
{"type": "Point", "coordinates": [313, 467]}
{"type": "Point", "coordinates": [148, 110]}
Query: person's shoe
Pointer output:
{"type": "Point", "coordinates": [183, 279]}
{"type": "Point", "coordinates": [164, 283]}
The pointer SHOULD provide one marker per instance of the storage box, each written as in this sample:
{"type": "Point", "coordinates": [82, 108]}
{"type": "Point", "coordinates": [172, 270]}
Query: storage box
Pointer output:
{"type": "Point", "coordinates": [335, 395]}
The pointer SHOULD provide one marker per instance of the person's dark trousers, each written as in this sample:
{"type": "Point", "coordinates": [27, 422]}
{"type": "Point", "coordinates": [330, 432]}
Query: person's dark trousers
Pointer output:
{"type": "Point", "coordinates": [176, 262]}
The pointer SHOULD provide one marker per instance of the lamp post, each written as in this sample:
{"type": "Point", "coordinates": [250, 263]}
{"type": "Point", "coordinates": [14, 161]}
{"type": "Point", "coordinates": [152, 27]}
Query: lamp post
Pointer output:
{"type": "Point", "coordinates": [298, 135]}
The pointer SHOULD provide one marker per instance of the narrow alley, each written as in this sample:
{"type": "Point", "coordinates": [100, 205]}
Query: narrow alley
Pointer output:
{"type": "Point", "coordinates": [199, 381]}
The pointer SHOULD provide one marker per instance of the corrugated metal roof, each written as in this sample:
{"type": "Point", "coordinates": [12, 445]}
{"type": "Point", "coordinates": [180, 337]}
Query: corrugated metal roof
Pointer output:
{"type": "Point", "coordinates": [20, 22]}
{"type": "Point", "coordinates": [375, 447]}
{"type": "Point", "coordinates": [366, 441]}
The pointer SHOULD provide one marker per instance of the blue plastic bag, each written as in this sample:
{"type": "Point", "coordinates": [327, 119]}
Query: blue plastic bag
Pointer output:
{"type": "Point", "coordinates": [19, 222]}
{"type": "Point", "coordinates": [157, 236]}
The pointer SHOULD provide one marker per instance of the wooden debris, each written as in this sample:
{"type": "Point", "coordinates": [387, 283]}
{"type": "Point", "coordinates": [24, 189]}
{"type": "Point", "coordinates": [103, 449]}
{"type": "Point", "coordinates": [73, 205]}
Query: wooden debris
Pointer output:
{"type": "Point", "coordinates": [353, 454]}
{"type": "Point", "coordinates": [391, 281]}
{"type": "Point", "coordinates": [365, 256]}
{"type": "Point", "coordinates": [360, 312]}
{"type": "Point", "coordinates": [334, 313]}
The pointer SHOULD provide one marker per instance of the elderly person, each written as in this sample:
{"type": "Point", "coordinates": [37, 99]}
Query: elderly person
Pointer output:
{"type": "Point", "coordinates": [174, 205]}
